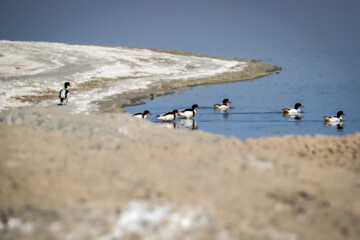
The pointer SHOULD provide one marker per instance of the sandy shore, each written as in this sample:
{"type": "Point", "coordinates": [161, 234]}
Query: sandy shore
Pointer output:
{"type": "Point", "coordinates": [107, 78]}
{"type": "Point", "coordinates": [110, 176]}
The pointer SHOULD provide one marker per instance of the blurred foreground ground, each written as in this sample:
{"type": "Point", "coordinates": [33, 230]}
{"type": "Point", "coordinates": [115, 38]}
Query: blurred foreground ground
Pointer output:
{"type": "Point", "coordinates": [110, 176]}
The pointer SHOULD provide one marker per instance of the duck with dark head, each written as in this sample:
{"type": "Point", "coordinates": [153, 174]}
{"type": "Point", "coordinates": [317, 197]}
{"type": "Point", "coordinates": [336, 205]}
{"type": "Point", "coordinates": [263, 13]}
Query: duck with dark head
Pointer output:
{"type": "Point", "coordinates": [224, 106]}
{"type": "Point", "coordinates": [189, 112]}
{"type": "Point", "coordinates": [168, 117]}
{"type": "Point", "coordinates": [64, 94]}
{"type": "Point", "coordinates": [292, 111]}
{"type": "Point", "coordinates": [334, 120]}
{"type": "Point", "coordinates": [142, 115]}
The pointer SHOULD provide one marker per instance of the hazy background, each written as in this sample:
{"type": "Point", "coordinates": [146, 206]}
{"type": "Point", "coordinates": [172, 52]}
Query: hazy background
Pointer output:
{"type": "Point", "coordinates": [226, 28]}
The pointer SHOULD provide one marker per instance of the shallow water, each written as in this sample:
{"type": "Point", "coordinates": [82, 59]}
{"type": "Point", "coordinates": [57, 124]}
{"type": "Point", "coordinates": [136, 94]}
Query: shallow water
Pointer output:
{"type": "Point", "coordinates": [324, 82]}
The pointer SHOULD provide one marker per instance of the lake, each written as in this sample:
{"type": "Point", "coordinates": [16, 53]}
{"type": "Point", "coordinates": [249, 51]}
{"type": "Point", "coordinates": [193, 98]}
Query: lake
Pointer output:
{"type": "Point", "coordinates": [323, 81]}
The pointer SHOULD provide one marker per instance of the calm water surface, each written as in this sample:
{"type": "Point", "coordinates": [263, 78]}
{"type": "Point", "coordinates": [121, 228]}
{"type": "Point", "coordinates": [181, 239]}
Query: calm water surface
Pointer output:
{"type": "Point", "coordinates": [323, 81]}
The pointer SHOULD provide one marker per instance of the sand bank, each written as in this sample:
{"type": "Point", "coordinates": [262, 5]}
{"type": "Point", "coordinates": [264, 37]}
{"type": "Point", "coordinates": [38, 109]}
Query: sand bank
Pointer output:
{"type": "Point", "coordinates": [105, 78]}
{"type": "Point", "coordinates": [111, 176]}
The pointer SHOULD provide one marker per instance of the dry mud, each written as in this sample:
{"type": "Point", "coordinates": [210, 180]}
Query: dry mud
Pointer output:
{"type": "Point", "coordinates": [110, 176]}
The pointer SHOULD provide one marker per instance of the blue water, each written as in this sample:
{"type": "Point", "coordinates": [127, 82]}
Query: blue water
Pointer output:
{"type": "Point", "coordinates": [323, 81]}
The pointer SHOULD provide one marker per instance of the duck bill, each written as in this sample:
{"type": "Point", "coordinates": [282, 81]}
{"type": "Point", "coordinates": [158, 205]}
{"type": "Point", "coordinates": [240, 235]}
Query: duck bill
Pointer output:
{"type": "Point", "coordinates": [198, 108]}
{"type": "Point", "coordinates": [229, 102]}
{"type": "Point", "coordinates": [150, 114]}
{"type": "Point", "coordinates": [343, 114]}
{"type": "Point", "coordinates": [301, 106]}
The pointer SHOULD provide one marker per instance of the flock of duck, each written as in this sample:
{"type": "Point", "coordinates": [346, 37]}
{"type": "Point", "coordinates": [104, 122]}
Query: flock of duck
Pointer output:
{"type": "Point", "coordinates": [184, 113]}
{"type": "Point", "coordinates": [188, 113]}
{"type": "Point", "coordinates": [224, 106]}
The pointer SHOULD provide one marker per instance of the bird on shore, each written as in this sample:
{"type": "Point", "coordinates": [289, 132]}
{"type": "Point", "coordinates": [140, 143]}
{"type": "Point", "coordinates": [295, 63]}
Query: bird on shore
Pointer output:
{"type": "Point", "coordinates": [142, 115]}
{"type": "Point", "coordinates": [64, 94]}
{"type": "Point", "coordinates": [168, 117]}
{"type": "Point", "coordinates": [222, 106]}
{"type": "Point", "coordinates": [293, 111]}
{"type": "Point", "coordinates": [333, 120]}
{"type": "Point", "coordinates": [189, 112]}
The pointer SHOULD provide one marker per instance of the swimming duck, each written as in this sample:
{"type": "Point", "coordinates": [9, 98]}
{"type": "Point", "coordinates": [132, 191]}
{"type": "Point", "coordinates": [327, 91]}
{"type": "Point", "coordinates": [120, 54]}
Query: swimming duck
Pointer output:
{"type": "Point", "coordinates": [293, 111]}
{"type": "Point", "coordinates": [222, 106]}
{"type": "Point", "coordinates": [64, 94]}
{"type": "Point", "coordinates": [168, 117]}
{"type": "Point", "coordinates": [335, 119]}
{"type": "Point", "coordinates": [142, 115]}
{"type": "Point", "coordinates": [189, 112]}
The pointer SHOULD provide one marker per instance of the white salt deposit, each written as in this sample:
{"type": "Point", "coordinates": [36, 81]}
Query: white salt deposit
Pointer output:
{"type": "Point", "coordinates": [164, 221]}
{"type": "Point", "coordinates": [29, 68]}
{"type": "Point", "coordinates": [20, 225]}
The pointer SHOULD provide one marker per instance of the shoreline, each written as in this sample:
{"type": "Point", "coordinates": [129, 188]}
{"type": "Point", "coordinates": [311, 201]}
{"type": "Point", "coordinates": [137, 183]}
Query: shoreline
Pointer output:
{"type": "Point", "coordinates": [161, 88]}
{"type": "Point", "coordinates": [33, 73]}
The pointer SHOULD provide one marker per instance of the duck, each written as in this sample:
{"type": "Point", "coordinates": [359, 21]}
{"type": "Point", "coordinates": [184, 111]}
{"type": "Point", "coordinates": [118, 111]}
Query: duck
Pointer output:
{"type": "Point", "coordinates": [293, 111]}
{"type": "Point", "coordinates": [168, 117]}
{"type": "Point", "coordinates": [142, 115]}
{"type": "Point", "coordinates": [189, 112]}
{"type": "Point", "coordinates": [335, 119]}
{"type": "Point", "coordinates": [222, 106]}
{"type": "Point", "coordinates": [64, 94]}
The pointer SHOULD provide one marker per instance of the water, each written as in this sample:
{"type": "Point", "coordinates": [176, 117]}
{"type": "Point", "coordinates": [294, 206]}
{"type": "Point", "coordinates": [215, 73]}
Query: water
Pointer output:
{"type": "Point", "coordinates": [323, 81]}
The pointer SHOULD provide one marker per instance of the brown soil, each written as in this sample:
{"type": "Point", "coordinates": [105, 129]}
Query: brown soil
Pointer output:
{"type": "Point", "coordinates": [74, 171]}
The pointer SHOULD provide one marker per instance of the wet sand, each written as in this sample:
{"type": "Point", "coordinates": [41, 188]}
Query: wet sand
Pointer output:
{"type": "Point", "coordinates": [66, 176]}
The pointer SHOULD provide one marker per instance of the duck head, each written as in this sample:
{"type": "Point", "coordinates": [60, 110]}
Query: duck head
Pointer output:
{"type": "Point", "coordinates": [147, 112]}
{"type": "Point", "coordinates": [297, 105]}
{"type": "Point", "coordinates": [340, 113]}
{"type": "Point", "coordinates": [67, 84]}
{"type": "Point", "coordinates": [226, 101]}
{"type": "Point", "coordinates": [195, 106]}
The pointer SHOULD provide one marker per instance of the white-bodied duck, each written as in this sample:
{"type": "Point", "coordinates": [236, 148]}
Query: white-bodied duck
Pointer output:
{"type": "Point", "coordinates": [224, 106]}
{"type": "Point", "coordinates": [189, 112]}
{"type": "Point", "coordinates": [64, 94]}
{"type": "Point", "coordinates": [142, 115]}
{"type": "Point", "coordinates": [335, 119]}
{"type": "Point", "coordinates": [168, 117]}
{"type": "Point", "coordinates": [293, 111]}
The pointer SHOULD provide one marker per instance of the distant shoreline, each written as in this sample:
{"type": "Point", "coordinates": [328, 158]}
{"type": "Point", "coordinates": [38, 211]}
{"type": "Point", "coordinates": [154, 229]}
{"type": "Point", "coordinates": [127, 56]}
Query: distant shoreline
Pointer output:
{"type": "Point", "coordinates": [255, 69]}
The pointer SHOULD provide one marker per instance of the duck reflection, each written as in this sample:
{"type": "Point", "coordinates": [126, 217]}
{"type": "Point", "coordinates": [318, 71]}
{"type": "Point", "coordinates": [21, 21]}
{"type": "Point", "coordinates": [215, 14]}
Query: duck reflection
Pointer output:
{"type": "Point", "coordinates": [225, 112]}
{"type": "Point", "coordinates": [168, 124]}
{"type": "Point", "coordinates": [296, 117]}
{"type": "Point", "coordinates": [187, 123]}
{"type": "Point", "coordinates": [339, 126]}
